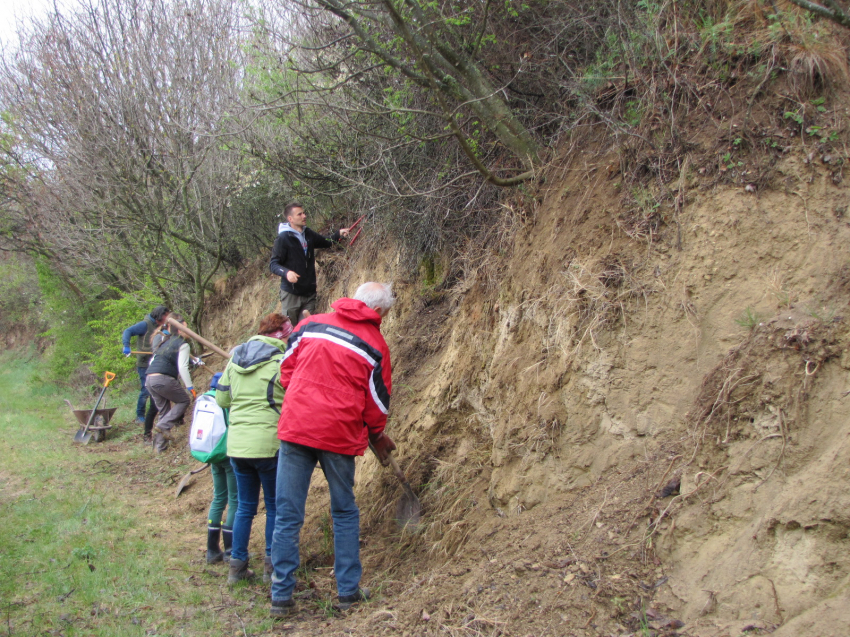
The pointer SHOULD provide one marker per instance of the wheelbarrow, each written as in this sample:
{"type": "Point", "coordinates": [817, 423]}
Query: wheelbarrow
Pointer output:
{"type": "Point", "coordinates": [100, 423]}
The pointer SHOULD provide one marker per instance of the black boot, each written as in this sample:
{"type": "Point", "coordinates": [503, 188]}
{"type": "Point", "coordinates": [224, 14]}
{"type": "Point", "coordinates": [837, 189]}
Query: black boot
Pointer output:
{"type": "Point", "coordinates": [214, 553]}
{"type": "Point", "coordinates": [227, 540]}
{"type": "Point", "coordinates": [150, 416]}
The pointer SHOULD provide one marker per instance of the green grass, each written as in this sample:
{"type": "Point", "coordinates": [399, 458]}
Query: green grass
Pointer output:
{"type": "Point", "coordinates": [92, 541]}
{"type": "Point", "coordinates": [749, 319]}
{"type": "Point", "coordinates": [78, 554]}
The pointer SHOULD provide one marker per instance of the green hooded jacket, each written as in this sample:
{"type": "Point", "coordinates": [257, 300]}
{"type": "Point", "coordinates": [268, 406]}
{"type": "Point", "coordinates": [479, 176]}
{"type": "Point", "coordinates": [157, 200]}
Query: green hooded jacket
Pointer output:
{"type": "Point", "coordinates": [250, 388]}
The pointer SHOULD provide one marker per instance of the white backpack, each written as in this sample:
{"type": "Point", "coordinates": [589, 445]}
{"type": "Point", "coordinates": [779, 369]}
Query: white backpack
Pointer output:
{"type": "Point", "coordinates": [208, 434]}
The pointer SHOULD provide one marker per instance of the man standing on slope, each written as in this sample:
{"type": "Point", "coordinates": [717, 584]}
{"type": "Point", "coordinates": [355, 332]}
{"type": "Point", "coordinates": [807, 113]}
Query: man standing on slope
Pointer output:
{"type": "Point", "coordinates": [143, 331]}
{"type": "Point", "coordinates": [294, 261]}
{"type": "Point", "coordinates": [338, 380]}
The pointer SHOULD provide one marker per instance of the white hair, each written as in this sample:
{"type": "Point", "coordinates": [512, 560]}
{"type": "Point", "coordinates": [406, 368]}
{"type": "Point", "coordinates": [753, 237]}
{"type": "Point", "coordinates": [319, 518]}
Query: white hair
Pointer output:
{"type": "Point", "coordinates": [376, 295]}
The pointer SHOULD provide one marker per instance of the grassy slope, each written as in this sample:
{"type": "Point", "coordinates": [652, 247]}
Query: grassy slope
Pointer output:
{"type": "Point", "coordinates": [84, 548]}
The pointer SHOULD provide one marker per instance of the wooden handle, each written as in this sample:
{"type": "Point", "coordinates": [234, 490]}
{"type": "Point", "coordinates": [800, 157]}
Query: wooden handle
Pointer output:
{"type": "Point", "coordinates": [396, 469]}
{"type": "Point", "coordinates": [178, 325]}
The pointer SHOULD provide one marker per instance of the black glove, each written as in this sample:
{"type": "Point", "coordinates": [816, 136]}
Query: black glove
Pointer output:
{"type": "Point", "coordinates": [382, 445]}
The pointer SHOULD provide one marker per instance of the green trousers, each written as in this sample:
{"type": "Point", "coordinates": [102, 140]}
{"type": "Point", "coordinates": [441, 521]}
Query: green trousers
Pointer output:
{"type": "Point", "coordinates": [224, 494]}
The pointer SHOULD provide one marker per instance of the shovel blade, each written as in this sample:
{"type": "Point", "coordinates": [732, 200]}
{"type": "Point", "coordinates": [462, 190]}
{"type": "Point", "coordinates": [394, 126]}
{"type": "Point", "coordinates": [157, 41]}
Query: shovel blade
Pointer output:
{"type": "Point", "coordinates": [408, 511]}
{"type": "Point", "coordinates": [183, 484]}
{"type": "Point", "coordinates": [185, 481]}
{"type": "Point", "coordinates": [83, 436]}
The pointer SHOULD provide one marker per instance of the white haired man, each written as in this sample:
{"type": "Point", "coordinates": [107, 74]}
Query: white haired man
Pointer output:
{"type": "Point", "coordinates": [338, 379]}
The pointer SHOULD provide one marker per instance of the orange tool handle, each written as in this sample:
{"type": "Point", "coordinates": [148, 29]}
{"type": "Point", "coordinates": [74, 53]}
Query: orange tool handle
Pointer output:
{"type": "Point", "coordinates": [108, 377]}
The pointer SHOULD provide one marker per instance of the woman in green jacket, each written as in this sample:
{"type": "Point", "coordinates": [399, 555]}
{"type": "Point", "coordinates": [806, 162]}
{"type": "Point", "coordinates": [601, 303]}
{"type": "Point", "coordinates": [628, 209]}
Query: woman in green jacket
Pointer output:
{"type": "Point", "coordinates": [250, 388]}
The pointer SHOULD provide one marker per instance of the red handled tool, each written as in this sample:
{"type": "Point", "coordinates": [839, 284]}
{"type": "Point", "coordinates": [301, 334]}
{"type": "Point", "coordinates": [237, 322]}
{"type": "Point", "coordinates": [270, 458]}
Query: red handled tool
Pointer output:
{"type": "Point", "coordinates": [356, 234]}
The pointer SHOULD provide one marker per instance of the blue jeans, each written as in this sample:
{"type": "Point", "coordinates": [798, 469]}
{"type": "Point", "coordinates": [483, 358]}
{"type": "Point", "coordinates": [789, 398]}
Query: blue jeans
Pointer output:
{"type": "Point", "coordinates": [251, 473]}
{"type": "Point", "coordinates": [143, 395]}
{"type": "Point", "coordinates": [294, 470]}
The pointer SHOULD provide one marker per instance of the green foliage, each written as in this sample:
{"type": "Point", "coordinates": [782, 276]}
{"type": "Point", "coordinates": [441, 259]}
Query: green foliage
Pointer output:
{"type": "Point", "coordinates": [115, 316]}
{"type": "Point", "coordinates": [432, 271]}
{"type": "Point", "coordinates": [634, 112]}
{"type": "Point", "coordinates": [20, 297]}
{"type": "Point", "coordinates": [87, 553]}
{"type": "Point", "coordinates": [66, 311]}
{"type": "Point", "coordinates": [749, 318]}
{"type": "Point", "coordinates": [794, 115]}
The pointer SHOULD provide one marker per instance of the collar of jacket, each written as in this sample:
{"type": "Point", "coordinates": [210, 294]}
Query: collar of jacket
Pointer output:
{"type": "Point", "coordinates": [355, 310]}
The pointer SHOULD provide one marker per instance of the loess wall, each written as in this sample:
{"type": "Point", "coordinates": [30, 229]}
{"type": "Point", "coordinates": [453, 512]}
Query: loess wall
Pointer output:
{"type": "Point", "coordinates": [571, 358]}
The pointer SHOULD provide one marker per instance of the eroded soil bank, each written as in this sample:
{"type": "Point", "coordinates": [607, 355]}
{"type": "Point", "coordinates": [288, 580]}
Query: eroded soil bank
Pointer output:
{"type": "Point", "coordinates": [591, 355]}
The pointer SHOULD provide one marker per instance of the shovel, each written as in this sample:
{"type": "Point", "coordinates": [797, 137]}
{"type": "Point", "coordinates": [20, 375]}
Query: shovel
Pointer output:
{"type": "Point", "coordinates": [408, 510]}
{"type": "Point", "coordinates": [185, 481]}
{"type": "Point", "coordinates": [83, 434]}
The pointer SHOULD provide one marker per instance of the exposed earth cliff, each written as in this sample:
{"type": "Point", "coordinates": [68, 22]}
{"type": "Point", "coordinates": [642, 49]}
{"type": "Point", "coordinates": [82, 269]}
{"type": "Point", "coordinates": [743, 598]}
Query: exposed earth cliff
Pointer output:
{"type": "Point", "coordinates": [616, 421]}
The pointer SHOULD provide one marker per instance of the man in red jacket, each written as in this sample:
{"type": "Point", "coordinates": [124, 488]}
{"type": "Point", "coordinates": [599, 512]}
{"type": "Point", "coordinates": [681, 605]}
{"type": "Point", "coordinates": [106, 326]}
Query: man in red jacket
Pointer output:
{"type": "Point", "coordinates": [337, 376]}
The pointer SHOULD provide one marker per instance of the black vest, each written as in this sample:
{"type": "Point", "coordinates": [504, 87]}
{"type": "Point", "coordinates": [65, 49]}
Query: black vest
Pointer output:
{"type": "Point", "coordinates": [143, 343]}
{"type": "Point", "coordinates": [165, 359]}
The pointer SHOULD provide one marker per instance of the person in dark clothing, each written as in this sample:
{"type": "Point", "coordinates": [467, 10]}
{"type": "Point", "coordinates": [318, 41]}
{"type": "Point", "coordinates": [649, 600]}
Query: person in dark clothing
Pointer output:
{"type": "Point", "coordinates": [160, 336]}
{"type": "Point", "coordinates": [294, 261]}
{"type": "Point", "coordinates": [167, 367]}
{"type": "Point", "coordinates": [144, 331]}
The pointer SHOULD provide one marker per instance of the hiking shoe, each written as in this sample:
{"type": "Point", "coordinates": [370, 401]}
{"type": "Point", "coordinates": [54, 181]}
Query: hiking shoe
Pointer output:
{"type": "Point", "coordinates": [140, 420]}
{"type": "Point", "coordinates": [159, 442]}
{"type": "Point", "coordinates": [347, 601]}
{"type": "Point", "coordinates": [167, 434]}
{"type": "Point", "coordinates": [280, 610]}
{"type": "Point", "coordinates": [268, 569]}
{"type": "Point", "coordinates": [238, 571]}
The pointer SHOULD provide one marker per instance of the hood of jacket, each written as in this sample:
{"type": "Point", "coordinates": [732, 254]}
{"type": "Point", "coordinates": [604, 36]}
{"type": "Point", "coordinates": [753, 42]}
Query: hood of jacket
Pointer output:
{"type": "Point", "coordinates": [255, 352]}
{"type": "Point", "coordinates": [354, 310]}
{"type": "Point", "coordinates": [285, 227]}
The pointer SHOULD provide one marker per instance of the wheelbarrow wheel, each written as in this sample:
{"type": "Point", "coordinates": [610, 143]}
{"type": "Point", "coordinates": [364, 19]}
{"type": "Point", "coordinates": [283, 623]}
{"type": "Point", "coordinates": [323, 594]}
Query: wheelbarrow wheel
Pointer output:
{"type": "Point", "coordinates": [99, 435]}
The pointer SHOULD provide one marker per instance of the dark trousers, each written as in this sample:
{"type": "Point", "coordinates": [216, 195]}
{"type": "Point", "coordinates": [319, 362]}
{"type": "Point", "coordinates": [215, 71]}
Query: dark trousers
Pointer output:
{"type": "Point", "coordinates": [292, 305]}
{"type": "Point", "coordinates": [143, 394]}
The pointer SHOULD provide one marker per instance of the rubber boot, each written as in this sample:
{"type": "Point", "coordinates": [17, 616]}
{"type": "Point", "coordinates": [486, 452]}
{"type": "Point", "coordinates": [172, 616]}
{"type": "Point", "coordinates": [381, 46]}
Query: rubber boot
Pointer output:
{"type": "Point", "coordinates": [150, 416]}
{"type": "Point", "coordinates": [238, 571]}
{"type": "Point", "coordinates": [268, 569]}
{"type": "Point", "coordinates": [227, 540]}
{"type": "Point", "coordinates": [214, 553]}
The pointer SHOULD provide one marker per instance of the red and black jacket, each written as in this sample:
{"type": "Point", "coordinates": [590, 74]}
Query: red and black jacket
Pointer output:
{"type": "Point", "coordinates": [338, 380]}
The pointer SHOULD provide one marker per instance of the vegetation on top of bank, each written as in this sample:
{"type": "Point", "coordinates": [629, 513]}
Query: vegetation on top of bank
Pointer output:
{"type": "Point", "coordinates": [152, 148]}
